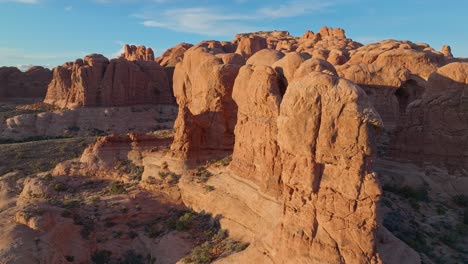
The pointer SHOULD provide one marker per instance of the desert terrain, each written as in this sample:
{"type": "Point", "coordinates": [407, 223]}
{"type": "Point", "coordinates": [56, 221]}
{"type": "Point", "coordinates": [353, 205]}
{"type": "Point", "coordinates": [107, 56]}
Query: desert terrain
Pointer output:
{"type": "Point", "coordinates": [269, 148]}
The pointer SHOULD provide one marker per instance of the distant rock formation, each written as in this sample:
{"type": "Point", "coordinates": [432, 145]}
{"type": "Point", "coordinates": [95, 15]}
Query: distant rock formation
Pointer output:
{"type": "Point", "coordinates": [96, 81]}
{"type": "Point", "coordinates": [140, 53]}
{"type": "Point", "coordinates": [30, 84]}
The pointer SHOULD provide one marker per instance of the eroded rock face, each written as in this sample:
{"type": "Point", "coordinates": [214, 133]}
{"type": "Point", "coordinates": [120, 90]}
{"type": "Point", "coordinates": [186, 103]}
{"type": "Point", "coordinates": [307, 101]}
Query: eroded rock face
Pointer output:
{"type": "Point", "coordinates": [134, 53]}
{"type": "Point", "coordinates": [436, 126]}
{"type": "Point", "coordinates": [207, 114]}
{"type": "Point", "coordinates": [325, 134]}
{"type": "Point", "coordinates": [420, 59]}
{"type": "Point", "coordinates": [173, 55]}
{"type": "Point", "coordinates": [390, 89]}
{"type": "Point", "coordinates": [96, 81]}
{"type": "Point", "coordinates": [257, 93]}
{"type": "Point", "coordinates": [30, 84]}
{"type": "Point", "coordinates": [249, 44]}
{"type": "Point", "coordinates": [265, 57]}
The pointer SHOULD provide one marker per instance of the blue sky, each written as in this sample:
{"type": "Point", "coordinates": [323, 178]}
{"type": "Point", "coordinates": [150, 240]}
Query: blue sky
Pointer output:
{"type": "Point", "coordinates": [51, 32]}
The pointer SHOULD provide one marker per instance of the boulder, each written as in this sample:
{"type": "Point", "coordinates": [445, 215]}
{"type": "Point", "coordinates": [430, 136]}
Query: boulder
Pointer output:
{"type": "Point", "coordinates": [249, 45]}
{"type": "Point", "coordinates": [265, 57]}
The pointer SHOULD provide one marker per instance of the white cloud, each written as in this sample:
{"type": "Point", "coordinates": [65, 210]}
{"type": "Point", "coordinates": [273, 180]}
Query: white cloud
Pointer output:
{"type": "Point", "coordinates": [11, 56]}
{"type": "Point", "coordinates": [294, 8]}
{"type": "Point", "coordinates": [25, 67]}
{"type": "Point", "coordinates": [207, 21]}
{"type": "Point", "coordinates": [68, 8]}
{"type": "Point", "coordinates": [221, 22]}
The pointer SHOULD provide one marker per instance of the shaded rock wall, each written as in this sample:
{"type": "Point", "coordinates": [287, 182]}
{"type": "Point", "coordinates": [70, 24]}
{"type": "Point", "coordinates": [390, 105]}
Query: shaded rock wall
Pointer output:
{"type": "Point", "coordinates": [30, 84]}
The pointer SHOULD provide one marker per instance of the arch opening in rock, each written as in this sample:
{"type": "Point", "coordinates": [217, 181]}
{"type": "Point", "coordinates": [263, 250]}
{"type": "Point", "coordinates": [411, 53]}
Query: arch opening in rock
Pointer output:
{"type": "Point", "coordinates": [407, 93]}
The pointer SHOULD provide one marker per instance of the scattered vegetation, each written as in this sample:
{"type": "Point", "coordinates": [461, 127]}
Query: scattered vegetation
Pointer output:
{"type": "Point", "coordinates": [209, 188]}
{"type": "Point", "coordinates": [11, 110]}
{"type": "Point", "coordinates": [414, 196]}
{"type": "Point", "coordinates": [40, 156]}
{"type": "Point", "coordinates": [169, 177]}
{"type": "Point", "coordinates": [131, 257]}
{"type": "Point", "coordinates": [117, 187]}
{"type": "Point", "coordinates": [222, 162]}
{"type": "Point", "coordinates": [202, 174]}
{"type": "Point", "coordinates": [128, 167]}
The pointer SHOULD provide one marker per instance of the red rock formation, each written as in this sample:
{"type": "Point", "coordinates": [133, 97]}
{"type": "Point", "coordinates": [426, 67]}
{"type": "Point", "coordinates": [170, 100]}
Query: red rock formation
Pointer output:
{"type": "Point", "coordinates": [419, 59]}
{"type": "Point", "coordinates": [447, 51]}
{"type": "Point", "coordinates": [32, 83]}
{"type": "Point", "coordinates": [436, 126]}
{"type": "Point", "coordinates": [134, 53]}
{"type": "Point", "coordinates": [96, 81]}
{"type": "Point", "coordinates": [265, 57]}
{"type": "Point", "coordinates": [207, 114]}
{"type": "Point", "coordinates": [257, 93]}
{"type": "Point", "coordinates": [173, 55]}
{"type": "Point", "coordinates": [325, 134]}
{"type": "Point", "coordinates": [384, 85]}
{"type": "Point", "coordinates": [249, 45]}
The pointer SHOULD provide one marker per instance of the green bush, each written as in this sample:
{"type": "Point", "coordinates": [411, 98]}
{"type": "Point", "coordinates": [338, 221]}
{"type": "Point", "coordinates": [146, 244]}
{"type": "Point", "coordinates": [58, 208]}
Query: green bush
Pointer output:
{"type": "Point", "coordinates": [408, 192]}
{"type": "Point", "coordinates": [203, 174]}
{"type": "Point", "coordinates": [200, 254]}
{"type": "Point", "coordinates": [130, 257]}
{"type": "Point", "coordinates": [460, 200]}
{"type": "Point", "coordinates": [117, 187]}
{"type": "Point", "coordinates": [101, 257]}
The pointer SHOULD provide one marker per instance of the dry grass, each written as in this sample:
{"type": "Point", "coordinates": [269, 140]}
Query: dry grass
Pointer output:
{"type": "Point", "coordinates": [38, 156]}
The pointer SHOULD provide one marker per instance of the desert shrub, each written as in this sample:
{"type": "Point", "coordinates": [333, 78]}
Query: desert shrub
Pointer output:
{"type": "Point", "coordinates": [87, 224]}
{"type": "Point", "coordinates": [209, 188]}
{"type": "Point", "coordinates": [408, 192]}
{"type": "Point", "coordinates": [128, 167]}
{"type": "Point", "coordinates": [170, 177]}
{"type": "Point", "coordinates": [101, 257]}
{"type": "Point", "coordinates": [441, 210]}
{"type": "Point", "coordinates": [203, 174]}
{"type": "Point", "coordinates": [73, 128]}
{"type": "Point", "coordinates": [200, 254]}
{"type": "Point", "coordinates": [117, 187]}
{"type": "Point", "coordinates": [131, 257]}
{"type": "Point", "coordinates": [460, 200]}
{"type": "Point", "coordinates": [60, 187]}
{"type": "Point", "coordinates": [182, 223]}
{"type": "Point", "coordinates": [465, 217]}
{"type": "Point", "coordinates": [415, 240]}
